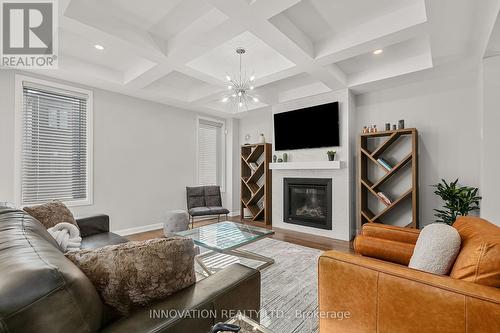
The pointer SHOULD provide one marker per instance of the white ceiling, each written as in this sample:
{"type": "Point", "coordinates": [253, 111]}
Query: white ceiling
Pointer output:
{"type": "Point", "coordinates": [177, 52]}
{"type": "Point", "coordinates": [259, 60]}
{"type": "Point", "coordinates": [493, 48]}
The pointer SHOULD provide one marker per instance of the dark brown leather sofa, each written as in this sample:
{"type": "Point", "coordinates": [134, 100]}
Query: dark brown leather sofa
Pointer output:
{"type": "Point", "coordinates": [42, 291]}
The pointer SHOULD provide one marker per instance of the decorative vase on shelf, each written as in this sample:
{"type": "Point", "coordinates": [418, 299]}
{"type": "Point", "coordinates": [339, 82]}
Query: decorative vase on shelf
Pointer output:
{"type": "Point", "coordinates": [280, 160]}
{"type": "Point", "coordinates": [262, 138]}
{"type": "Point", "coordinates": [285, 157]}
{"type": "Point", "coordinates": [275, 158]}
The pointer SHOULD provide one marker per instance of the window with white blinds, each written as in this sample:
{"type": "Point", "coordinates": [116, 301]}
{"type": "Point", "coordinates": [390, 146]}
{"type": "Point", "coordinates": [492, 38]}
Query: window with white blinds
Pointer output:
{"type": "Point", "coordinates": [55, 145]}
{"type": "Point", "coordinates": [209, 153]}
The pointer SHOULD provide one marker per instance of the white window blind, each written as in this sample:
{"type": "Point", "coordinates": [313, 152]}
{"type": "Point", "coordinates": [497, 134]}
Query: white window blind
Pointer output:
{"type": "Point", "coordinates": [55, 146]}
{"type": "Point", "coordinates": [209, 153]}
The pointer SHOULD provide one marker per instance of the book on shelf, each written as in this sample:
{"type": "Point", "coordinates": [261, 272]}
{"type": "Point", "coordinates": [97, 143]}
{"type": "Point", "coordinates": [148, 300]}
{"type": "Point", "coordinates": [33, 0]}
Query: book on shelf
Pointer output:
{"type": "Point", "coordinates": [253, 166]}
{"type": "Point", "coordinates": [384, 198]}
{"type": "Point", "coordinates": [385, 164]}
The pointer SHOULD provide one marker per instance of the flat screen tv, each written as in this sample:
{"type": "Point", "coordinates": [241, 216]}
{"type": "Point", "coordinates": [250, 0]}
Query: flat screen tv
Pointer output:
{"type": "Point", "coordinates": [312, 127]}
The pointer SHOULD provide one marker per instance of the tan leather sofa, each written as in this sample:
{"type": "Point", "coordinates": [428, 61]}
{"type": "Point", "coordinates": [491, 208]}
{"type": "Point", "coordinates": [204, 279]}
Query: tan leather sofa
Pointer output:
{"type": "Point", "coordinates": [377, 292]}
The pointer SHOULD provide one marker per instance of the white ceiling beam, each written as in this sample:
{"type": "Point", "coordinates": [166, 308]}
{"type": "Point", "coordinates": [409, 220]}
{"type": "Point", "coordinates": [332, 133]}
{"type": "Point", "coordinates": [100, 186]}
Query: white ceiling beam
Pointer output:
{"type": "Point", "coordinates": [268, 96]}
{"type": "Point", "coordinates": [331, 76]}
{"type": "Point", "coordinates": [406, 23]}
{"type": "Point", "coordinates": [138, 69]}
{"type": "Point", "coordinates": [88, 15]}
{"type": "Point", "coordinates": [180, 17]}
{"type": "Point", "coordinates": [207, 98]}
{"type": "Point", "coordinates": [291, 43]}
{"type": "Point", "coordinates": [70, 66]}
{"type": "Point", "coordinates": [287, 27]}
{"type": "Point", "coordinates": [155, 51]}
{"type": "Point", "coordinates": [87, 76]}
{"type": "Point", "coordinates": [272, 8]}
{"type": "Point", "coordinates": [208, 29]}
{"type": "Point", "coordinates": [148, 76]}
{"type": "Point", "coordinates": [410, 65]}
{"type": "Point", "coordinates": [205, 91]}
{"type": "Point", "coordinates": [63, 4]}
{"type": "Point", "coordinates": [149, 51]}
{"type": "Point", "coordinates": [314, 88]}
{"type": "Point", "coordinates": [168, 91]}
{"type": "Point", "coordinates": [205, 33]}
{"type": "Point", "coordinates": [278, 76]}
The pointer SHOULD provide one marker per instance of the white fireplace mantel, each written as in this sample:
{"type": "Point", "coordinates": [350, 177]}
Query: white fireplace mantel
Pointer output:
{"type": "Point", "coordinates": [322, 165]}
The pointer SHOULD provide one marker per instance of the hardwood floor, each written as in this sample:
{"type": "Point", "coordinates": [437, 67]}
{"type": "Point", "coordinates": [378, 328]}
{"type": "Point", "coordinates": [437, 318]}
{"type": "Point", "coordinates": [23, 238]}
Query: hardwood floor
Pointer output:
{"type": "Point", "coordinates": [316, 242]}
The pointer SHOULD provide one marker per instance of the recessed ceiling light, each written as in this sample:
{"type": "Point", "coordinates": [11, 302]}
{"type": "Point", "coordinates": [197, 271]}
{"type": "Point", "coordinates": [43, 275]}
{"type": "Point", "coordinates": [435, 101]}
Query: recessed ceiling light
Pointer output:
{"type": "Point", "coordinates": [99, 47]}
{"type": "Point", "coordinates": [379, 51]}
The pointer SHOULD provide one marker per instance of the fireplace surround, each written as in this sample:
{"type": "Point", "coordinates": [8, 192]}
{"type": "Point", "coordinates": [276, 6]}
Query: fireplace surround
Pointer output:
{"type": "Point", "coordinates": [308, 202]}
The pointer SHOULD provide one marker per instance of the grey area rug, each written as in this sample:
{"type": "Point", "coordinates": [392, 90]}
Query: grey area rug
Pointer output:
{"type": "Point", "coordinates": [289, 293]}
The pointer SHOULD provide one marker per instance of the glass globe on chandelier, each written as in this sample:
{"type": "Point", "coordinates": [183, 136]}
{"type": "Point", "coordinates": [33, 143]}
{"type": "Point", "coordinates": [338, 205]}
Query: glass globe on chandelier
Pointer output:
{"type": "Point", "coordinates": [240, 89]}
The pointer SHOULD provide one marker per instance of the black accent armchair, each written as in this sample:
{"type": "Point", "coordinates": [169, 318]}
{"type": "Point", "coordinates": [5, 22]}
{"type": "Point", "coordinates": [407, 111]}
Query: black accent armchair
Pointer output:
{"type": "Point", "coordinates": [204, 201]}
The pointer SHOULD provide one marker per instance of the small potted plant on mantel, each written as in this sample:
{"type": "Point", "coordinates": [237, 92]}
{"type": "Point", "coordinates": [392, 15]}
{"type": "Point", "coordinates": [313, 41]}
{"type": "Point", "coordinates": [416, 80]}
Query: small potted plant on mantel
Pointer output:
{"type": "Point", "coordinates": [331, 155]}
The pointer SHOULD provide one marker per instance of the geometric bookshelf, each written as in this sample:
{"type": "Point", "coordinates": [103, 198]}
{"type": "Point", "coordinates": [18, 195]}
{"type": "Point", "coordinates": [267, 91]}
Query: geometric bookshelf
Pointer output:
{"type": "Point", "coordinates": [369, 159]}
{"type": "Point", "coordinates": [256, 181]}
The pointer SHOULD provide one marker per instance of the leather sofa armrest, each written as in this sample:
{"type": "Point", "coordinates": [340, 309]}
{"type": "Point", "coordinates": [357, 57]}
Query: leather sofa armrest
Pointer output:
{"type": "Point", "coordinates": [386, 297]}
{"type": "Point", "coordinates": [388, 250]}
{"type": "Point", "coordinates": [389, 232]}
{"type": "Point", "coordinates": [93, 225]}
{"type": "Point", "coordinates": [199, 307]}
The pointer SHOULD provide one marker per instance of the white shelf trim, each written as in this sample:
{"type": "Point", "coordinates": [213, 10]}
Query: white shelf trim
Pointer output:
{"type": "Point", "coordinates": [323, 165]}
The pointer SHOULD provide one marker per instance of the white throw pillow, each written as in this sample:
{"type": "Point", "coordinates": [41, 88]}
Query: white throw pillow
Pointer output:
{"type": "Point", "coordinates": [436, 250]}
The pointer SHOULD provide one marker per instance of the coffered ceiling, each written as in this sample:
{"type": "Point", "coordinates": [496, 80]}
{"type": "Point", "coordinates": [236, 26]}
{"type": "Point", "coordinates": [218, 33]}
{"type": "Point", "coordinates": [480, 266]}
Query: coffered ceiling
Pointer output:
{"type": "Point", "coordinates": [177, 52]}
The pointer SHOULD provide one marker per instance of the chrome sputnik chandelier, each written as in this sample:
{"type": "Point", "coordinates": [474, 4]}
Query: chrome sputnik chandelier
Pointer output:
{"type": "Point", "coordinates": [240, 89]}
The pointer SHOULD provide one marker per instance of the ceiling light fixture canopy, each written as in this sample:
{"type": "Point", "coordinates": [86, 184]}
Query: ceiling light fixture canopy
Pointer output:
{"type": "Point", "coordinates": [240, 88]}
{"type": "Point", "coordinates": [99, 47]}
{"type": "Point", "coordinates": [379, 51]}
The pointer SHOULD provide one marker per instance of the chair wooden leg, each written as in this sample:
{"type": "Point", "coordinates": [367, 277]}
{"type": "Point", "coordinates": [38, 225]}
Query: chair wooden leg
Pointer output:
{"type": "Point", "coordinates": [226, 217]}
{"type": "Point", "coordinates": [218, 218]}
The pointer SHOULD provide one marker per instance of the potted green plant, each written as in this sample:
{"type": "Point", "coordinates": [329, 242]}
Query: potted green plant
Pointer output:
{"type": "Point", "coordinates": [331, 155]}
{"type": "Point", "coordinates": [458, 201]}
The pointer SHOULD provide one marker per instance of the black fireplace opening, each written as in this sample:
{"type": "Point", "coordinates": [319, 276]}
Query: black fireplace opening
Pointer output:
{"type": "Point", "coordinates": [308, 202]}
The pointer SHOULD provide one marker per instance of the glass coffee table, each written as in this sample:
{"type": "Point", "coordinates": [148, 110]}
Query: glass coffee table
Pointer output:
{"type": "Point", "coordinates": [227, 238]}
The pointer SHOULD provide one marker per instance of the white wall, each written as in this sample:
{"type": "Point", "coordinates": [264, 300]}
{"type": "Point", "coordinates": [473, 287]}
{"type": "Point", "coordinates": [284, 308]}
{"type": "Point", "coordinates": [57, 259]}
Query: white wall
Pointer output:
{"type": "Point", "coordinates": [490, 180]}
{"type": "Point", "coordinates": [144, 156]}
{"type": "Point", "coordinates": [232, 197]}
{"type": "Point", "coordinates": [446, 112]}
{"type": "Point", "coordinates": [6, 135]}
{"type": "Point", "coordinates": [254, 123]}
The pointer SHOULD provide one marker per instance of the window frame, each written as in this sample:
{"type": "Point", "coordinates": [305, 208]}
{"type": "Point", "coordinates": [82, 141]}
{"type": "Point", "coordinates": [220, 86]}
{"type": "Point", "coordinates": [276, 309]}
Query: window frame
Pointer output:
{"type": "Point", "coordinates": [222, 158]}
{"type": "Point", "coordinates": [18, 131]}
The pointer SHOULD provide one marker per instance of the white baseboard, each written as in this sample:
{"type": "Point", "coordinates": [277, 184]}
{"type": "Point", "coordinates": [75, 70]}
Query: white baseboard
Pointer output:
{"type": "Point", "coordinates": [137, 230]}
{"type": "Point", "coordinates": [156, 226]}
